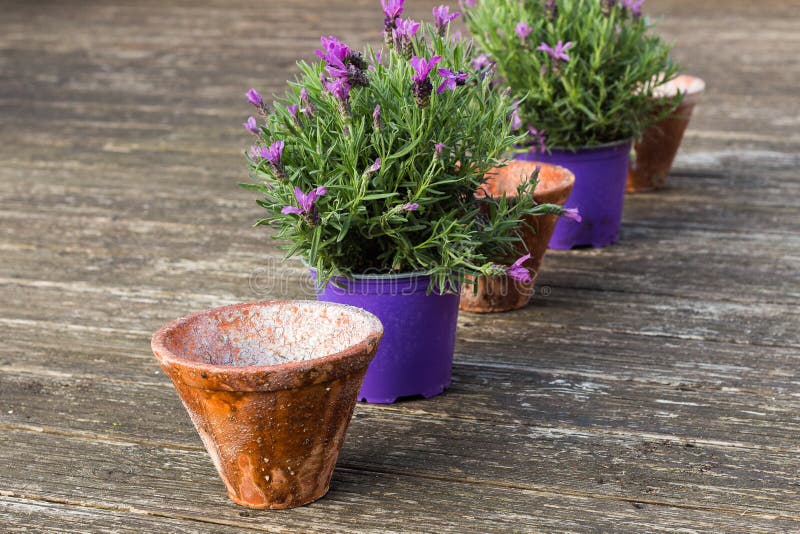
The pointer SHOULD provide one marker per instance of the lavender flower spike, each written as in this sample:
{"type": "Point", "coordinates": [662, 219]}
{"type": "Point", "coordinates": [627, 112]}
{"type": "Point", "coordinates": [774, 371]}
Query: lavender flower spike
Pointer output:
{"type": "Point", "coordinates": [442, 17]}
{"type": "Point", "coordinates": [392, 8]}
{"type": "Point", "coordinates": [375, 167]}
{"type": "Point", "coordinates": [273, 154]}
{"type": "Point", "coordinates": [293, 110]}
{"type": "Point", "coordinates": [451, 80]}
{"type": "Point", "coordinates": [306, 204]}
{"type": "Point", "coordinates": [251, 125]}
{"type": "Point", "coordinates": [423, 67]}
{"type": "Point", "coordinates": [551, 8]}
{"type": "Point", "coordinates": [516, 121]}
{"type": "Point", "coordinates": [572, 214]}
{"type": "Point", "coordinates": [438, 147]}
{"type": "Point", "coordinates": [523, 31]}
{"type": "Point", "coordinates": [559, 52]}
{"type": "Point", "coordinates": [376, 118]}
{"type": "Point", "coordinates": [422, 85]}
{"type": "Point", "coordinates": [634, 6]}
{"type": "Point", "coordinates": [411, 206]}
{"type": "Point", "coordinates": [519, 273]}
{"type": "Point", "coordinates": [255, 98]}
{"type": "Point", "coordinates": [404, 31]}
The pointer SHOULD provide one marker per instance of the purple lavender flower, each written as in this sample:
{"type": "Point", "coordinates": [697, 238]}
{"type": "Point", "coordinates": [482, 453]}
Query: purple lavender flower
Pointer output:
{"type": "Point", "coordinates": [557, 53]}
{"type": "Point", "coordinates": [411, 206]}
{"type": "Point", "coordinates": [293, 109]}
{"type": "Point", "coordinates": [438, 147]}
{"type": "Point", "coordinates": [422, 85]}
{"type": "Point", "coordinates": [342, 62]}
{"type": "Point", "coordinates": [255, 98]}
{"type": "Point", "coordinates": [306, 207]}
{"type": "Point", "coordinates": [551, 9]}
{"type": "Point", "coordinates": [375, 167]}
{"type": "Point", "coordinates": [404, 31]}
{"type": "Point", "coordinates": [339, 88]}
{"type": "Point", "coordinates": [519, 273]}
{"type": "Point", "coordinates": [423, 67]}
{"type": "Point", "coordinates": [634, 7]}
{"type": "Point", "coordinates": [391, 10]}
{"type": "Point", "coordinates": [272, 153]}
{"type": "Point", "coordinates": [451, 80]}
{"type": "Point", "coordinates": [516, 121]}
{"type": "Point", "coordinates": [523, 31]}
{"type": "Point", "coordinates": [572, 214]}
{"type": "Point", "coordinates": [480, 62]}
{"type": "Point", "coordinates": [466, 4]}
{"type": "Point", "coordinates": [442, 18]}
{"type": "Point", "coordinates": [251, 125]}
{"type": "Point", "coordinates": [376, 118]}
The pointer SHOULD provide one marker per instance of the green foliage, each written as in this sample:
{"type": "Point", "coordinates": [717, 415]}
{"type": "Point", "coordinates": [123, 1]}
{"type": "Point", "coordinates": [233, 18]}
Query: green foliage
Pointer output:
{"type": "Point", "coordinates": [603, 94]}
{"type": "Point", "coordinates": [363, 224]}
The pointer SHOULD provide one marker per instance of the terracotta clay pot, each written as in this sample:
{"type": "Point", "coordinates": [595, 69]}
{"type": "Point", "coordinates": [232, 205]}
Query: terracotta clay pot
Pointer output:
{"type": "Point", "coordinates": [270, 387]}
{"type": "Point", "coordinates": [656, 151]}
{"type": "Point", "coordinates": [500, 293]}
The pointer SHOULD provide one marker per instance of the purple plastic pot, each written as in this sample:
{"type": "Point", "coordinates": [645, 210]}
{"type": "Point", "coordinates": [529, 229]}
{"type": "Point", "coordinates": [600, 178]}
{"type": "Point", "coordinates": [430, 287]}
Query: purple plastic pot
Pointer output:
{"type": "Point", "coordinates": [416, 354]}
{"type": "Point", "coordinates": [600, 175]}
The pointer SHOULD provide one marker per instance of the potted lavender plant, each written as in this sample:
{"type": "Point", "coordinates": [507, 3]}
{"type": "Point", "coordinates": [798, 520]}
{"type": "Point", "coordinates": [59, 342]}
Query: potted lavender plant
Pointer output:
{"type": "Point", "coordinates": [368, 168]}
{"type": "Point", "coordinates": [585, 72]}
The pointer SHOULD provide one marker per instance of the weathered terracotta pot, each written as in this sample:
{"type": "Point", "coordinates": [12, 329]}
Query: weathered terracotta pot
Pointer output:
{"type": "Point", "coordinates": [270, 387]}
{"type": "Point", "coordinates": [500, 293]}
{"type": "Point", "coordinates": [656, 151]}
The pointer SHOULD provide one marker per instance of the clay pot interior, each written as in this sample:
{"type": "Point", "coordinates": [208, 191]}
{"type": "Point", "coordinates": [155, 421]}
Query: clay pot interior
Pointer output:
{"type": "Point", "coordinates": [268, 334]}
{"type": "Point", "coordinates": [504, 180]}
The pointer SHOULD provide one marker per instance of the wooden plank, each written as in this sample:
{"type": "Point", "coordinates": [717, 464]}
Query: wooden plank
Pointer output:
{"type": "Point", "coordinates": [183, 484]}
{"type": "Point", "coordinates": [68, 516]}
{"type": "Point", "coordinates": [631, 446]}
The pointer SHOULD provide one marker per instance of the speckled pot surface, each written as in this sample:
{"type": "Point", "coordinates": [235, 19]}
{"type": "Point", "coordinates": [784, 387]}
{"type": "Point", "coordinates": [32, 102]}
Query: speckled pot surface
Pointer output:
{"type": "Point", "coordinates": [499, 293]}
{"type": "Point", "coordinates": [270, 387]}
{"type": "Point", "coordinates": [659, 145]}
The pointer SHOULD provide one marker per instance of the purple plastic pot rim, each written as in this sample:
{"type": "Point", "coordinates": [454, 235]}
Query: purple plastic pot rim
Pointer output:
{"type": "Point", "coordinates": [582, 150]}
{"type": "Point", "coordinates": [419, 279]}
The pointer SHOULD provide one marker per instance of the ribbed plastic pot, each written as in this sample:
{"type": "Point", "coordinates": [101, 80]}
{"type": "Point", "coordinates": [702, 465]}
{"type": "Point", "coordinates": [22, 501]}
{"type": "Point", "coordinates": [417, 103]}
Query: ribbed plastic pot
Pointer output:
{"type": "Point", "coordinates": [599, 192]}
{"type": "Point", "coordinates": [500, 293]}
{"type": "Point", "coordinates": [271, 387]}
{"type": "Point", "coordinates": [416, 355]}
{"type": "Point", "coordinates": [659, 145]}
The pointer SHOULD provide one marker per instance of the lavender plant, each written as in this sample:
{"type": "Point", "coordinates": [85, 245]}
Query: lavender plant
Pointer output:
{"type": "Point", "coordinates": [584, 70]}
{"type": "Point", "coordinates": [370, 162]}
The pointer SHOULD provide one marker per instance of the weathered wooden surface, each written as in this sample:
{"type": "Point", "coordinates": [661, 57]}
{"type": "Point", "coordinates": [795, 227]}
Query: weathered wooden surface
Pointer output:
{"type": "Point", "coordinates": [654, 389]}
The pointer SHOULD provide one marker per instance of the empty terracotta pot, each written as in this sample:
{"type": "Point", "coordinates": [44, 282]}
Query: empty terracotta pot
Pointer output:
{"type": "Point", "coordinates": [500, 293]}
{"type": "Point", "coordinates": [656, 151]}
{"type": "Point", "coordinates": [270, 387]}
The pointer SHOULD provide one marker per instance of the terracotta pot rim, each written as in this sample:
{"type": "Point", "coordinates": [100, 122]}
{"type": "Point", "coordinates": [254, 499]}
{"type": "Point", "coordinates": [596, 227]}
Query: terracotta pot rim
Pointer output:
{"type": "Point", "coordinates": [544, 189]}
{"type": "Point", "coordinates": [690, 86]}
{"type": "Point", "coordinates": [269, 377]}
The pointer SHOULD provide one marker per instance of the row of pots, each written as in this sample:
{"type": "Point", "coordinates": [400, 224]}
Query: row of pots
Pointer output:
{"type": "Point", "coordinates": [271, 386]}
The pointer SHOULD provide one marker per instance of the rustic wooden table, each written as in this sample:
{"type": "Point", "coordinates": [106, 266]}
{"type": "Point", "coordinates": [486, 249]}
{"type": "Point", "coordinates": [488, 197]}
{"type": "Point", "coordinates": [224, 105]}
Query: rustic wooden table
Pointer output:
{"type": "Point", "coordinates": [654, 389]}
